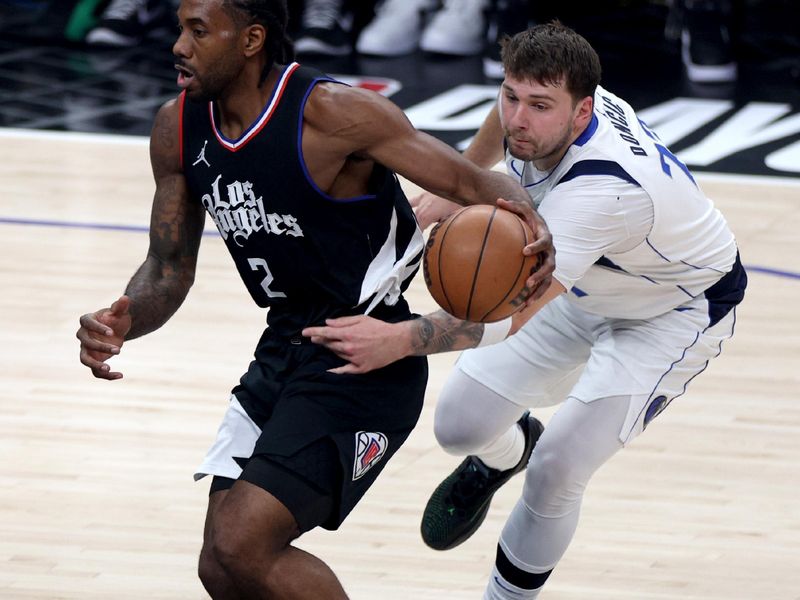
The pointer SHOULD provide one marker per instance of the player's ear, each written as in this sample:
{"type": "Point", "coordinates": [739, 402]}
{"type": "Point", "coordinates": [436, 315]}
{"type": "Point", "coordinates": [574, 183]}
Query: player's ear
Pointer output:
{"type": "Point", "coordinates": [254, 37]}
{"type": "Point", "coordinates": [584, 112]}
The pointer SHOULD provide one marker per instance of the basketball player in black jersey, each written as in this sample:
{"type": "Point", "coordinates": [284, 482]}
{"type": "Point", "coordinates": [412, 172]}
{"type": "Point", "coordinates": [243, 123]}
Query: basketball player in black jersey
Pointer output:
{"type": "Point", "coordinates": [297, 173]}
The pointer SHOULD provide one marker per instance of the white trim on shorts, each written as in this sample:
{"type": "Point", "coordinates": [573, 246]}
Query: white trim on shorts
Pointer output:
{"type": "Point", "coordinates": [236, 437]}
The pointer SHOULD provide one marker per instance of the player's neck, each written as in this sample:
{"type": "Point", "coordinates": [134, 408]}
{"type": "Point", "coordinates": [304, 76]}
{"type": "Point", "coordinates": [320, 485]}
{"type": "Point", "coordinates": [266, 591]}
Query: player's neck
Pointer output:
{"type": "Point", "coordinates": [547, 163]}
{"type": "Point", "coordinates": [244, 101]}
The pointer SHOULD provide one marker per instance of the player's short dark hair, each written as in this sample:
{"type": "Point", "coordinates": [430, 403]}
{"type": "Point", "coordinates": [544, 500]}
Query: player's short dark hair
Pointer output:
{"type": "Point", "coordinates": [549, 53]}
{"type": "Point", "coordinates": [274, 16]}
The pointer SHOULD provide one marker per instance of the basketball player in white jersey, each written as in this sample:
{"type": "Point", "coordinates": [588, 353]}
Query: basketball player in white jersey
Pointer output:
{"type": "Point", "coordinates": [644, 293]}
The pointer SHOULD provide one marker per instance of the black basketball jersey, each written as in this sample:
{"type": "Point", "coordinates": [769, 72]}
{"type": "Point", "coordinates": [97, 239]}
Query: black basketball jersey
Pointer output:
{"type": "Point", "coordinates": [305, 255]}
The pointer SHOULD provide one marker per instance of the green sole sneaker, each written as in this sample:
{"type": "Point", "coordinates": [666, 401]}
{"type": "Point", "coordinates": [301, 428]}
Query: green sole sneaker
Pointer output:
{"type": "Point", "coordinates": [460, 503]}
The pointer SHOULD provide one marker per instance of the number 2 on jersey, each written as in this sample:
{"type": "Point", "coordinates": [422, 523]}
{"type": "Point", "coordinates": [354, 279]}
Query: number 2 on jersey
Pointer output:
{"type": "Point", "coordinates": [260, 263]}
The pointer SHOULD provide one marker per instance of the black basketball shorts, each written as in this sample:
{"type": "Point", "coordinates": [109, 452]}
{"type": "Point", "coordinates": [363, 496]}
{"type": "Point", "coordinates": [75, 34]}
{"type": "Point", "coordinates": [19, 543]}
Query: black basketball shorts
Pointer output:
{"type": "Point", "coordinates": [314, 440]}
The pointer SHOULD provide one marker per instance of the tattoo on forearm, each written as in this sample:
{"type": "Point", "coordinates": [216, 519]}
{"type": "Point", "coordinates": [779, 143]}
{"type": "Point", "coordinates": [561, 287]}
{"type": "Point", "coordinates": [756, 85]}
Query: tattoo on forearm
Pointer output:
{"type": "Point", "coordinates": [156, 290]}
{"type": "Point", "coordinates": [425, 332]}
{"type": "Point", "coordinates": [160, 285]}
{"type": "Point", "coordinates": [441, 332]}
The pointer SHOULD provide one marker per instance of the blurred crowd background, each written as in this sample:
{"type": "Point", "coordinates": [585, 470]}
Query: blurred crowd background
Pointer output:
{"type": "Point", "coordinates": [711, 36]}
{"type": "Point", "coordinates": [106, 65]}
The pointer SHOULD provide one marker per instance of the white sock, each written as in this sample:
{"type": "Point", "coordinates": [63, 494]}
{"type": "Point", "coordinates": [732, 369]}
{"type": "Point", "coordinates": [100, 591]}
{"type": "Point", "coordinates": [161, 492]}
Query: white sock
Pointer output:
{"type": "Point", "coordinates": [506, 451]}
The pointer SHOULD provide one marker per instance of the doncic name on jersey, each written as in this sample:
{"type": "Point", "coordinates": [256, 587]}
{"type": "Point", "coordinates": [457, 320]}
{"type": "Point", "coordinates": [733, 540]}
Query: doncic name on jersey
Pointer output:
{"type": "Point", "coordinates": [240, 212]}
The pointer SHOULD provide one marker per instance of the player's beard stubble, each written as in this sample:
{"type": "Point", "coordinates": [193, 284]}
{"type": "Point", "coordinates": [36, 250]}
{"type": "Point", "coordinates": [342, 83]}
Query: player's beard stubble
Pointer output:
{"type": "Point", "coordinates": [523, 147]}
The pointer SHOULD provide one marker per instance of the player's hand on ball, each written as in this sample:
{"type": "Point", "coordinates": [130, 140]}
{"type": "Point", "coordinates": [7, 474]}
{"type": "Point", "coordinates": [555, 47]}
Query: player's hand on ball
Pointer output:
{"type": "Point", "coordinates": [102, 334]}
{"type": "Point", "coordinates": [542, 245]}
{"type": "Point", "coordinates": [430, 208]}
{"type": "Point", "coordinates": [366, 343]}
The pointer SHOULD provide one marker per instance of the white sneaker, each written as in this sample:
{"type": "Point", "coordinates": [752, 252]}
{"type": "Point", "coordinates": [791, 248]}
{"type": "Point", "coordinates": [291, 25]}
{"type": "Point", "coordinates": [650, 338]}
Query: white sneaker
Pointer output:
{"type": "Point", "coordinates": [458, 29]}
{"type": "Point", "coordinates": [396, 28]}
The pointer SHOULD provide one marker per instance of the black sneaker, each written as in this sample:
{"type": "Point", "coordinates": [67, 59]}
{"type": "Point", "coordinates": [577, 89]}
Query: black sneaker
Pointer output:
{"type": "Point", "coordinates": [325, 30]}
{"type": "Point", "coordinates": [125, 22]}
{"type": "Point", "coordinates": [706, 48]}
{"type": "Point", "coordinates": [459, 505]}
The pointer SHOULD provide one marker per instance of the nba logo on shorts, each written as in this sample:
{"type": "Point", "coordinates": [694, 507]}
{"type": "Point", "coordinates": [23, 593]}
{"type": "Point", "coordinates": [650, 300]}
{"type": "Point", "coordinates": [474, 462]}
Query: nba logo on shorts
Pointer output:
{"type": "Point", "coordinates": [370, 448]}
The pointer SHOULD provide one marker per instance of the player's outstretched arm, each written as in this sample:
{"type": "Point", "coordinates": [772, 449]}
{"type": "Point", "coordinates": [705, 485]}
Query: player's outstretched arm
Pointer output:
{"type": "Point", "coordinates": [356, 122]}
{"type": "Point", "coordinates": [485, 150]}
{"type": "Point", "coordinates": [367, 343]}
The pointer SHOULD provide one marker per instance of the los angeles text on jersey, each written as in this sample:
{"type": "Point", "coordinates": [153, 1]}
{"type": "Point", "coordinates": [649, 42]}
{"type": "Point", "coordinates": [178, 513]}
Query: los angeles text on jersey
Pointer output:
{"type": "Point", "coordinates": [240, 212]}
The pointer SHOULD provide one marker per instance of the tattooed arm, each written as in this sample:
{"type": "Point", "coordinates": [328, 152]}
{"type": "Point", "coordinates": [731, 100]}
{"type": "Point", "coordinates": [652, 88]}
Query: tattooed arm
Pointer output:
{"type": "Point", "coordinates": [161, 283]}
{"type": "Point", "coordinates": [442, 332]}
{"type": "Point", "coordinates": [369, 344]}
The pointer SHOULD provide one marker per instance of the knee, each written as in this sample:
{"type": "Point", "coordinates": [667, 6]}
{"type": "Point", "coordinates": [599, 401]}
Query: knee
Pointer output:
{"type": "Point", "coordinates": [470, 417]}
{"type": "Point", "coordinates": [554, 482]}
{"type": "Point", "coordinates": [459, 436]}
{"type": "Point", "coordinates": [552, 469]}
{"type": "Point", "coordinates": [212, 574]}
{"type": "Point", "coordinates": [229, 551]}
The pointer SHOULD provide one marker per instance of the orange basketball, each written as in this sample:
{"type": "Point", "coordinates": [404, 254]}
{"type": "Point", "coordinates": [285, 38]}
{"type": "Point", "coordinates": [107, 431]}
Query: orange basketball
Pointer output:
{"type": "Point", "coordinates": [474, 266]}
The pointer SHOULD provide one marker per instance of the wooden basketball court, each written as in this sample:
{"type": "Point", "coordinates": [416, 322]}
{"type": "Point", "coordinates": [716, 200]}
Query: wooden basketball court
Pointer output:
{"type": "Point", "coordinates": [98, 501]}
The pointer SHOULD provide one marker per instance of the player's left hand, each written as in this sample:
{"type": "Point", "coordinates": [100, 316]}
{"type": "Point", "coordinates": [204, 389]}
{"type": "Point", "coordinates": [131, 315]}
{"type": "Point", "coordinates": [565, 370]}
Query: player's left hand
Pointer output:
{"type": "Point", "coordinates": [366, 343]}
{"type": "Point", "coordinates": [430, 208]}
{"type": "Point", "coordinates": [542, 245]}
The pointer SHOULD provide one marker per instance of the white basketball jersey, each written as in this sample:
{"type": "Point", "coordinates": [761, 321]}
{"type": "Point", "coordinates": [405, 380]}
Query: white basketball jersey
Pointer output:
{"type": "Point", "coordinates": [593, 201]}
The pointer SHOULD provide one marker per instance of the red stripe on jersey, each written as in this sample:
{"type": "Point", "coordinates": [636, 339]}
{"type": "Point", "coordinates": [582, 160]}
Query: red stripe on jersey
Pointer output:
{"type": "Point", "coordinates": [263, 120]}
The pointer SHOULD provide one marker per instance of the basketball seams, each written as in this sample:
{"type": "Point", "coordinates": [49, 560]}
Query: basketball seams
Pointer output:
{"type": "Point", "coordinates": [478, 263]}
{"type": "Point", "coordinates": [468, 266]}
{"type": "Point", "coordinates": [513, 286]}
{"type": "Point", "coordinates": [439, 256]}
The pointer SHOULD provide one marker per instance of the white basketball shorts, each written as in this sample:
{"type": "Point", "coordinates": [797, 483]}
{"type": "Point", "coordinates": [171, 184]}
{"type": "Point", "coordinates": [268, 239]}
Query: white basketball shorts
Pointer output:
{"type": "Point", "coordinates": [564, 351]}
